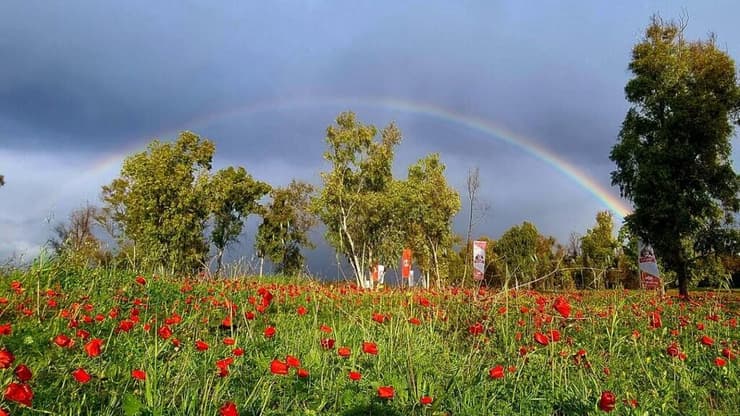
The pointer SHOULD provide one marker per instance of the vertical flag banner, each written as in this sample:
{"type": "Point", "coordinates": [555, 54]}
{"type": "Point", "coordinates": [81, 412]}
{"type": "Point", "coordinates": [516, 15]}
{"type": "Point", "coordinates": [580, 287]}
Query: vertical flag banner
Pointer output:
{"type": "Point", "coordinates": [406, 263]}
{"type": "Point", "coordinates": [479, 259]}
{"type": "Point", "coordinates": [649, 275]}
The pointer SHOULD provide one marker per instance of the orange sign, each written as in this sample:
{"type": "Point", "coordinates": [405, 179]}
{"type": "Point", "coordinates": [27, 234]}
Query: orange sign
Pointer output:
{"type": "Point", "coordinates": [406, 263]}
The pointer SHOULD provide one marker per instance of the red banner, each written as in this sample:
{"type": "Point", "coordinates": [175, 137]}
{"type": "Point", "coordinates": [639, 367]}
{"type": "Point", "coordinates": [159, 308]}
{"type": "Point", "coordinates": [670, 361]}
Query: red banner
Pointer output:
{"type": "Point", "coordinates": [406, 263]}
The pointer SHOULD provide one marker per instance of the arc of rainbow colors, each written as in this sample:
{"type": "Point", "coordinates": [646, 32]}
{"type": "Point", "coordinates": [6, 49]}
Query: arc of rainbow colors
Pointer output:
{"type": "Point", "coordinates": [602, 194]}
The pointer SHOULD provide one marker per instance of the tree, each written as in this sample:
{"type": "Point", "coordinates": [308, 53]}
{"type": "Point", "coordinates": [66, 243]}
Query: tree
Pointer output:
{"type": "Point", "coordinates": [160, 202]}
{"type": "Point", "coordinates": [598, 247]}
{"type": "Point", "coordinates": [233, 195]}
{"type": "Point", "coordinates": [76, 240]}
{"type": "Point", "coordinates": [673, 152]}
{"type": "Point", "coordinates": [355, 202]}
{"type": "Point", "coordinates": [431, 205]}
{"type": "Point", "coordinates": [517, 249]}
{"type": "Point", "coordinates": [286, 222]}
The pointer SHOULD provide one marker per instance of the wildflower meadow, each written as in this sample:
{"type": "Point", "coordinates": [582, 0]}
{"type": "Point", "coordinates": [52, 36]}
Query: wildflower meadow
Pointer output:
{"type": "Point", "coordinates": [113, 343]}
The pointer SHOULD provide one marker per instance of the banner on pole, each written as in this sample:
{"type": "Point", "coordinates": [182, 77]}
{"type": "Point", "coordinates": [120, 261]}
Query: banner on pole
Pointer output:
{"type": "Point", "coordinates": [406, 263]}
{"type": "Point", "coordinates": [479, 259]}
{"type": "Point", "coordinates": [649, 274]}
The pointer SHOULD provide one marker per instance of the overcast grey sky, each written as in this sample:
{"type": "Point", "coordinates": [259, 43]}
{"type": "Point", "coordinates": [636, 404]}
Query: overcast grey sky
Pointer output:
{"type": "Point", "coordinates": [84, 83]}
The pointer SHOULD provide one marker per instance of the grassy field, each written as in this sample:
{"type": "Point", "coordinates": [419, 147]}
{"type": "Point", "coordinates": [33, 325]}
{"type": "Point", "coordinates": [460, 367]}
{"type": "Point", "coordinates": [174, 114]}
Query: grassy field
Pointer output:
{"type": "Point", "coordinates": [105, 343]}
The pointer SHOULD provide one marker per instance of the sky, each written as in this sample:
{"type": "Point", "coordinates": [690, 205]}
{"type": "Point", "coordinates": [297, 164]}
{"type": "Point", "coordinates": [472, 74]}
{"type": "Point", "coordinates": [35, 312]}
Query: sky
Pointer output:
{"type": "Point", "coordinates": [531, 93]}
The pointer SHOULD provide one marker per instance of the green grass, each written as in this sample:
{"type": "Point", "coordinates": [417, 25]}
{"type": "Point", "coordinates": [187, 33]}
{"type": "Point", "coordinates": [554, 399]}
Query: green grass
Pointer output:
{"type": "Point", "coordinates": [439, 357]}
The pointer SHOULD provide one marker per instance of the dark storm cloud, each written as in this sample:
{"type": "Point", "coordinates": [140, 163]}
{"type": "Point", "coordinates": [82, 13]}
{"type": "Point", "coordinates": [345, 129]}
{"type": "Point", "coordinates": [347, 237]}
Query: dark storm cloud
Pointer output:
{"type": "Point", "coordinates": [83, 81]}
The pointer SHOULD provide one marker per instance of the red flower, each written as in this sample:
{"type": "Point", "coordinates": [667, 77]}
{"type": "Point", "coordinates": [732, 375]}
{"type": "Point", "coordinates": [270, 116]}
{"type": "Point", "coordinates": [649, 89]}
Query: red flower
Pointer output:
{"type": "Point", "coordinates": [278, 367]}
{"type": "Point", "coordinates": [496, 372]}
{"type": "Point", "coordinates": [327, 343]}
{"type": "Point", "coordinates": [229, 341]}
{"type": "Point", "coordinates": [476, 329]}
{"type": "Point", "coordinates": [344, 352]}
{"type": "Point", "coordinates": [164, 332]}
{"type": "Point", "coordinates": [720, 362]}
{"type": "Point", "coordinates": [23, 373]}
{"type": "Point", "coordinates": [201, 345]}
{"type": "Point", "coordinates": [386, 392]}
{"type": "Point", "coordinates": [269, 332]}
{"type": "Point", "coordinates": [81, 375]}
{"type": "Point", "coordinates": [301, 310]}
{"type": "Point", "coordinates": [324, 328]}
{"type": "Point", "coordinates": [707, 341]}
{"type": "Point", "coordinates": [425, 400]}
{"type": "Point", "coordinates": [355, 376]}
{"type": "Point", "coordinates": [673, 350]}
{"type": "Point", "coordinates": [302, 373]}
{"type": "Point", "coordinates": [555, 335]}
{"type": "Point", "coordinates": [655, 321]}
{"type": "Point", "coordinates": [6, 329]}
{"type": "Point", "coordinates": [249, 316]}
{"type": "Point", "coordinates": [20, 393]}
{"type": "Point", "coordinates": [6, 358]}
{"type": "Point", "coordinates": [541, 338]}
{"type": "Point", "coordinates": [727, 353]}
{"type": "Point", "coordinates": [138, 374]}
{"type": "Point", "coordinates": [238, 352]}
{"type": "Point", "coordinates": [92, 348]}
{"type": "Point", "coordinates": [370, 348]}
{"type": "Point", "coordinates": [607, 401]}
{"type": "Point", "coordinates": [140, 280]}
{"type": "Point", "coordinates": [562, 306]}
{"type": "Point", "coordinates": [292, 361]}
{"type": "Point", "coordinates": [228, 409]}
{"type": "Point", "coordinates": [415, 321]}
{"type": "Point", "coordinates": [379, 317]}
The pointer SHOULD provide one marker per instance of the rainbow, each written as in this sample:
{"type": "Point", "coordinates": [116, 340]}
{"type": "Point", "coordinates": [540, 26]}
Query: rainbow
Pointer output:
{"type": "Point", "coordinates": [604, 195]}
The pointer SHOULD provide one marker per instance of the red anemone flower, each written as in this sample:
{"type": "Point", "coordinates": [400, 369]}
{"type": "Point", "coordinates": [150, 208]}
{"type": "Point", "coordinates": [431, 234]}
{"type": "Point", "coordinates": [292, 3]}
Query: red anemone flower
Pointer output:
{"type": "Point", "coordinates": [496, 372]}
{"type": "Point", "coordinates": [20, 393]}
{"type": "Point", "coordinates": [81, 375]}
{"type": "Point", "coordinates": [92, 348]}
{"type": "Point", "coordinates": [201, 345]}
{"type": "Point", "coordinates": [138, 374]}
{"type": "Point", "coordinates": [269, 332]}
{"type": "Point", "coordinates": [370, 348]}
{"type": "Point", "coordinates": [302, 373]}
{"type": "Point", "coordinates": [425, 400]}
{"type": "Point", "coordinates": [327, 343]}
{"type": "Point", "coordinates": [562, 306]}
{"type": "Point", "coordinates": [707, 341]}
{"type": "Point", "coordinates": [541, 338]}
{"type": "Point", "coordinates": [386, 392]}
{"type": "Point", "coordinates": [344, 352]}
{"type": "Point", "coordinates": [292, 361]}
{"type": "Point", "coordinates": [607, 401]}
{"type": "Point", "coordinates": [355, 375]}
{"type": "Point", "coordinates": [6, 358]}
{"type": "Point", "coordinates": [278, 367]}
{"type": "Point", "coordinates": [23, 373]}
{"type": "Point", "coordinates": [228, 409]}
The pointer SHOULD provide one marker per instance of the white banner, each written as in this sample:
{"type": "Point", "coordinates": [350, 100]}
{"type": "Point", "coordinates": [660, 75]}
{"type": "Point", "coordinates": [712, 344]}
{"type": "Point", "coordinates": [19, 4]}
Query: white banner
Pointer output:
{"type": "Point", "coordinates": [479, 259]}
{"type": "Point", "coordinates": [649, 274]}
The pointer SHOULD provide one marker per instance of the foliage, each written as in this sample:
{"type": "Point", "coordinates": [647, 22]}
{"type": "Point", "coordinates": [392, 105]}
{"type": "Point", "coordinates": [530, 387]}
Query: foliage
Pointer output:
{"type": "Point", "coordinates": [599, 247]}
{"type": "Point", "coordinates": [517, 249]}
{"type": "Point", "coordinates": [286, 222]}
{"type": "Point", "coordinates": [170, 346]}
{"type": "Point", "coordinates": [430, 205]}
{"type": "Point", "coordinates": [233, 195]}
{"type": "Point", "coordinates": [160, 202]}
{"type": "Point", "coordinates": [76, 243]}
{"type": "Point", "coordinates": [673, 153]}
{"type": "Point", "coordinates": [353, 203]}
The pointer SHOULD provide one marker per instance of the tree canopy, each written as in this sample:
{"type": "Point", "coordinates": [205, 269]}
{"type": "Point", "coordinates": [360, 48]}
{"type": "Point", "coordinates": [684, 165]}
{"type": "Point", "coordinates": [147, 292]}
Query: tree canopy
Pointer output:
{"type": "Point", "coordinates": [673, 153]}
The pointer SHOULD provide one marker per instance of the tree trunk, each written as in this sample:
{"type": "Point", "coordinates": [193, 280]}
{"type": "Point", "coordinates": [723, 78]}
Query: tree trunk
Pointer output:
{"type": "Point", "coordinates": [262, 263]}
{"type": "Point", "coordinates": [683, 277]}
